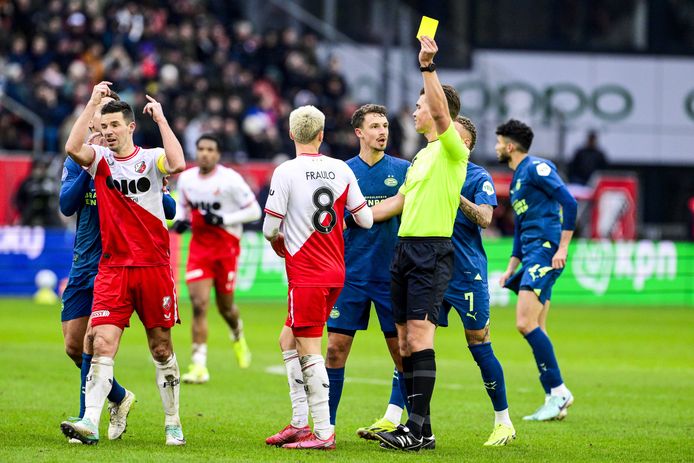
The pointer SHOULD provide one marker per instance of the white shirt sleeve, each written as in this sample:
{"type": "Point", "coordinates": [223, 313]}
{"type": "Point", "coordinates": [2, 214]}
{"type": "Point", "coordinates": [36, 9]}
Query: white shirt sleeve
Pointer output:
{"type": "Point", "coordinates": [182, 211]}
{"type": "Point", "coordinates": [278, 196]}
{"type": "Point", "coordinates": [355, 198]}
{"type": "Point", "coordinates": [99, 153]}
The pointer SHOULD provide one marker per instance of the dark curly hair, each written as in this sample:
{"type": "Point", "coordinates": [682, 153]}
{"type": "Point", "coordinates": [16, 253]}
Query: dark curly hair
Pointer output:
{"type": "Point", "coordinates": [360, 114]}
{"type": "Point", "coordinates": [470, 127]}
{"type": "Point", "coordinates": [452, 98]}
{"type": "Point", "coordinates": [518, 132]}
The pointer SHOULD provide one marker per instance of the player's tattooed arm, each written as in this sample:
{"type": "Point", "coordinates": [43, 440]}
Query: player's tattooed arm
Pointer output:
{"type": "Point", "coordinates": [480, 214]}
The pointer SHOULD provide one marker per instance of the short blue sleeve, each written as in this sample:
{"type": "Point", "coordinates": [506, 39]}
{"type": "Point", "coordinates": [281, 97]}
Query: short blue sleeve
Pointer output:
{"type": "Point", "coordinates": [545, 177]}
{"type": "Point", "coordinates": [485, 193]}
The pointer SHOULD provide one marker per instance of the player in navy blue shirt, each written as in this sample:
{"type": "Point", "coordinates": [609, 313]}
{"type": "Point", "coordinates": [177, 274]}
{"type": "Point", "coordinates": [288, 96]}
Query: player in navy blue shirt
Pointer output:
{"type": "Point", "coordinates": [468, 290]}
{"type": "Point", "coordinates": [78, 195]}
{"type": "Point", "coordinates": [545, 216]}
{"type": "Point", "coordinates": [367, 254]}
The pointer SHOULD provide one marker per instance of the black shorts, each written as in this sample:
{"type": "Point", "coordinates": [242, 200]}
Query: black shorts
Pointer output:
{"type": "Point", "coordinates": [420, 272]}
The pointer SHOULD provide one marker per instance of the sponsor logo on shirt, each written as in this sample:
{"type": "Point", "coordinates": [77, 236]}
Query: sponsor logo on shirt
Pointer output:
{"type": "Point", "coordinates": [543, 169]}
{"type": "Point", "coordinates": [100, 313]}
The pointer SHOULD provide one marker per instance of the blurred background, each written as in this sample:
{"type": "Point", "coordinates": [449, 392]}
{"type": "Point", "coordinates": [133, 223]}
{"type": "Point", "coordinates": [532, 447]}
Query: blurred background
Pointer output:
{"type": "Point", "coordinates": [605, 84]}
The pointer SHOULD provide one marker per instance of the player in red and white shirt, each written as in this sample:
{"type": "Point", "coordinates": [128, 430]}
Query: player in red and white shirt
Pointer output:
{"type": "Point", "coordinates": [215, 201]}
{"type": "Point", "coordinates": [307, 199]}
{"type": "Point", "coordinates": [134, 271]}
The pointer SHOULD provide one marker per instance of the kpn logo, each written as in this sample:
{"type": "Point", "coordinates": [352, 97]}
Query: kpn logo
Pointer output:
{"type": "Point", "coordinates": [596, 264]}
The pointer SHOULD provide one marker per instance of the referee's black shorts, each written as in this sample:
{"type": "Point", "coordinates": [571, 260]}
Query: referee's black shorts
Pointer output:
{"type": "Point", "coordinates": [420, 272]}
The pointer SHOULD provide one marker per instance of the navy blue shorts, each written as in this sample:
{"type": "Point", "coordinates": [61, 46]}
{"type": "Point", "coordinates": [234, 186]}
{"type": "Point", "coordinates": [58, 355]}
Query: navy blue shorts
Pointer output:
{"type": "Point", "coordinates": [471, 301]}
{"type": "Point", "coordinates": [353, 308]}
{"type": "Point", "coordinates": [536, 274]}
{"type": "Point", "coordinates": [77, 297]}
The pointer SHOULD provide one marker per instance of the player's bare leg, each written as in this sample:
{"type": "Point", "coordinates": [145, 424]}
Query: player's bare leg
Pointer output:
{"type": "Point", "coordinates": [530, 313]}
{"type": "Point", "coordinates": [200, 299]}
{"type": "Point", "coordinates": [73, 335]}
{"type": "Point", "coordinates": [168, 381]}
{"type": "Point", "coordinates": [230, 312]}
{"type": "Point", "coordinates": [479, 343]}
{"type": "Point", "coordinates": [297, 429]}
{"type": "Point", "coordinates": [106, 342]}
{"type": "Point", "coordinates": [316, 383]}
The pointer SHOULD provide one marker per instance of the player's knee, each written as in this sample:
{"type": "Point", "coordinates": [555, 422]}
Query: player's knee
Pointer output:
{"type": "Point", "coordinates": [336, 356]}
{"type": "Point", "coordinates": [73, 349]}
{"type": "Point", "coordinates": [475, 337]}
{"type": "Point", "coordinates": [101, 345]}
{"type": "Point", "coordinates": [161, 352]}
{"type": "Point", "coordinates": [525, 325]}
{"type": "Point", "coordinates": [199, 306]}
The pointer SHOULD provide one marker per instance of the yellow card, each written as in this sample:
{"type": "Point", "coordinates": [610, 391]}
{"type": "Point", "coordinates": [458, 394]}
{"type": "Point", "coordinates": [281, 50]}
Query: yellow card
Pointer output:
{"type": "Point", "coordinates": [427, 27]}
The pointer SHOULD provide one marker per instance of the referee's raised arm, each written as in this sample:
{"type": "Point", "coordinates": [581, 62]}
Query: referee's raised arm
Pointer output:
{"type": "Point", "coordinates": [438, 106]}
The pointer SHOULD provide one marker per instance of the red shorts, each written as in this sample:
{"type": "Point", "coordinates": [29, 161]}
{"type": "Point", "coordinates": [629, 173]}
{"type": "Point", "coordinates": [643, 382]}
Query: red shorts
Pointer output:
{"type": "Point", "coordinates": [309, 308]}
{"type": "Point", "coordinates": [149, 291]}
{"type": "Point", "coordinates": [222, 270]}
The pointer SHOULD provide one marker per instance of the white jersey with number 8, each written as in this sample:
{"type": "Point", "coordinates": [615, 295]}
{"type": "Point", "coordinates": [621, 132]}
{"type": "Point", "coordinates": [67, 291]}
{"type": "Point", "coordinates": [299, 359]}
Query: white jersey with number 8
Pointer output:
{"type": "Point", "coordinates": [310, 194]}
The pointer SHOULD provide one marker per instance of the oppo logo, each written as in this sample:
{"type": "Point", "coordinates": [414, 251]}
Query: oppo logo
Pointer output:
{"type": "Point", "coordinates": [609, 102]}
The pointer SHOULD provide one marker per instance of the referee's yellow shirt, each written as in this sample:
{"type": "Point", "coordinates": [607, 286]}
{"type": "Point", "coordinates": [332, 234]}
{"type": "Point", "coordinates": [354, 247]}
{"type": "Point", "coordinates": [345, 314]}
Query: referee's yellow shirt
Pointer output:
{"type": "Point", "coordinates": [432, 187]}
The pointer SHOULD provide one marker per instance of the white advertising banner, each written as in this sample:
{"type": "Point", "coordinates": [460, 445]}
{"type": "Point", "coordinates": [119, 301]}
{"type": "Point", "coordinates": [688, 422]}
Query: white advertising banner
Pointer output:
{"type": "Point", "coordinates": [641, 106]}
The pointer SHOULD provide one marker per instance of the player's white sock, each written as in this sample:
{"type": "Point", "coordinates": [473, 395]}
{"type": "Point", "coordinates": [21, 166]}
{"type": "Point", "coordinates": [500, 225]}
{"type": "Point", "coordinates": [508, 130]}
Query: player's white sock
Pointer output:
{"type": "Point", "coordinates": [560, 391]}
{"type": "Point", "coordinates": [237, 334]}
{"type": "Point", "coordinates": [199, 354]}
{"type": "Point", "coordinates": [393, 414]}
{"type": "Point", "coordinates": [297, 393]}
{"type": "Point", "coordinates": [317, 391]}
{"type": "Point", "coordinates": [169, 384]}
{"type": "Point", "coordinates": [97, 387]}
{"type": "Point", "coordinates": [502, 417]}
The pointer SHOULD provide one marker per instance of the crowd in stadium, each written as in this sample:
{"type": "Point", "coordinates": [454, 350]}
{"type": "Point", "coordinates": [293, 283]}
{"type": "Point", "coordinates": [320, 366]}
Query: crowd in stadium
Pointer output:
{"type": "Point", "coordinates": [211, 70]}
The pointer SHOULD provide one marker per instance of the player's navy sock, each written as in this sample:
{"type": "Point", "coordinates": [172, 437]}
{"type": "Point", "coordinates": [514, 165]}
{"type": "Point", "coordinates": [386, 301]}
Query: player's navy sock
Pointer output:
{"type": "Point", "coordinates": [550, 376]}
{"type": "Point", "coordinates": [423, 380]}
{"type": "Point", "coordinates": [492, 374]}
{"type": "Point", "coordinates": [84, 371]}
{"type": "Point", "coordinates": [395, 392]}
{"type": "Point", "coordinates": [407, 376]}
{"type": "Point", "coordinates": [337, 381]}
{"type": "Point", "coordinates": [426, 427]}
{"type": "Point", "coordinates": [117, 393]}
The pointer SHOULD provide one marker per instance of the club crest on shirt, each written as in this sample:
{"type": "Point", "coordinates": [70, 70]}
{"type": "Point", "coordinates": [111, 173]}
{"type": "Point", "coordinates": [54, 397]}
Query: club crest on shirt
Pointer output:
{"type": "Point", "coordinates": [390, 181]}
{"type": "Point", "coordinates": [140, 167]}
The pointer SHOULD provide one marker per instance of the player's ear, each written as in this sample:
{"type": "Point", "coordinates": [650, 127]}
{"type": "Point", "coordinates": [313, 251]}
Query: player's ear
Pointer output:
{"type": "Point", "coordinates": [291, 135]}
{"type": "Point", "coordinates": [358, 132]}
{"type": "Point", "coordinates": [320, 136]}
{"type": "Point", "coordinates": [131, 127]}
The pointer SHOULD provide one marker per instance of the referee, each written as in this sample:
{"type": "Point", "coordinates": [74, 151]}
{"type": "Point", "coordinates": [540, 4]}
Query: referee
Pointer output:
{"type": "Point", "coordinates": [423, 260]}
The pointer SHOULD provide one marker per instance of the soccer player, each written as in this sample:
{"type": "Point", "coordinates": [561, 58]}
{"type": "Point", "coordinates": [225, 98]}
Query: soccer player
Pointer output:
{"type": "Point", "coordinates": [214, 201]}
{"type": "Point", "coordinates": [423, 261]}
{"type": "Point", "coordinates": [367, 279]}
{"type": "Point", "coordinates": [468, 292]}
{"type": "Point", "coordinates": [134, 271]}
{"type": "Point", "coordinates": [540, 242]}
{"type": "Point", "coordinates": [77, 195]}
{"type": "Point", "coordinates": [307, 199]}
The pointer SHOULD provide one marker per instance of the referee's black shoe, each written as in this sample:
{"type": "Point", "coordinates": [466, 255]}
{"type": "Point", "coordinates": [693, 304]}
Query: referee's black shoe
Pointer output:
{"type": "Point", "coordinates": [400, 439]}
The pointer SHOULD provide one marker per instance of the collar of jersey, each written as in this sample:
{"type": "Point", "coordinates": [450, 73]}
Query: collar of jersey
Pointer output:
{"type": "Point", "coordinates": [310, 154]}
{"type": "Point", "coordinates": [130, 156]}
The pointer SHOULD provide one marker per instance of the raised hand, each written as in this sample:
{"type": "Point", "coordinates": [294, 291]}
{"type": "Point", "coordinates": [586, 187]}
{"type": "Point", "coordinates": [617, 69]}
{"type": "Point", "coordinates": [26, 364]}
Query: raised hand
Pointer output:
{"type": "Point", "coordinates": [427, 51]}
{"type": "Point", "coordinates": [101, 90]}
{"type": "Point", "coordinates": [153, 108]}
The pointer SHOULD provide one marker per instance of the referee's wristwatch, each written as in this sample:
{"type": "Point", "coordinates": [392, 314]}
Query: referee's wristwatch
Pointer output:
{"type": "Point", "coordinates": [430, 68]}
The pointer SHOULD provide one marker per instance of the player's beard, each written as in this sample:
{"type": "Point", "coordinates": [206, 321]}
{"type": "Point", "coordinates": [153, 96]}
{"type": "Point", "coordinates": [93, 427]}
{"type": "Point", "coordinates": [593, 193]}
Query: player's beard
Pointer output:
{"type": "Point", "coordinates": [503, 158]}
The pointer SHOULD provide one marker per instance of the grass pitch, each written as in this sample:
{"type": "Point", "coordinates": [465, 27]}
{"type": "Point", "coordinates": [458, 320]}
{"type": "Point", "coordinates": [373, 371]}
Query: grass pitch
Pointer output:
{"type": "Point", "coordinates": [631, 371]}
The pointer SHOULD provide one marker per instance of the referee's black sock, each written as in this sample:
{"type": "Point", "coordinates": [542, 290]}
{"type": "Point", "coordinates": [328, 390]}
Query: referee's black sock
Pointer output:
{"type": "Point", "coordinates": [424, 378]}
{"type": "Point", "coordinates": [407, 375]}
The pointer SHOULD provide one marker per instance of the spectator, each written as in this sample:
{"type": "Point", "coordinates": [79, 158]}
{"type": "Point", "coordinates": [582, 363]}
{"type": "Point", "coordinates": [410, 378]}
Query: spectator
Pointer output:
{"type": "Point", "coordinates": [37, 197]}
{"type": "Point", "coordinates": [587, 159]}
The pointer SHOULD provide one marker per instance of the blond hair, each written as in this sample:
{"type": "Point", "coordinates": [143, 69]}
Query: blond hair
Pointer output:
{"type": "Point", "coordinates": [305, 123]}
